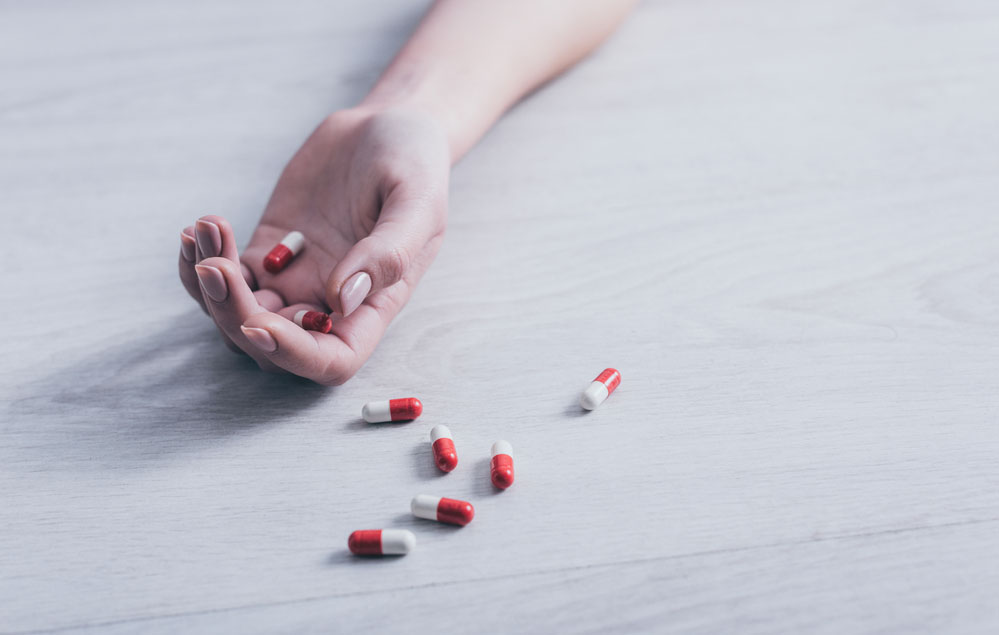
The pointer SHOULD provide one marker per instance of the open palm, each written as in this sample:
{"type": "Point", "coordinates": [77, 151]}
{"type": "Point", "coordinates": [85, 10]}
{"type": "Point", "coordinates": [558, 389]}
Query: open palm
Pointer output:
{"type": "Point", "coordinates": [369, 192]}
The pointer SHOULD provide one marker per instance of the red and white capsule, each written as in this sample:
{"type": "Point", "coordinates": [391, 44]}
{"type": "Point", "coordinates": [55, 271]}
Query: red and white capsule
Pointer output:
{"type": "Point", "coordinates": [601, 388]}
{"type": "Point", "coordinates": [314, 321]}
{"type": "Point", "coordinates": [442, 443]}
{"type": "Point", "coordinates": [284, 252]}
{"type": "Point", "coordinates": [381, 542]}
{"type": "Point", "coordinates": [392, 410]}
{"type": "Point", "coordinates": [443, 510]}
{"type": "Point", "coordinates": [501, 465]}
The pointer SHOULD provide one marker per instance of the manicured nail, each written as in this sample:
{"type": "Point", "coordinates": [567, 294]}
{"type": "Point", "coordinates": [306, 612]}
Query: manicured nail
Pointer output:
{"type": "Point", "coordinates": [353, 292]}
{"type": "Point", "coordinates": [209, 238]}
{"type": "Point", "coordinates": [261, 338]}
{"type": "Point", "coordinates": [187, 247]}
{"type": "Point", "coordinates": [213, 282]}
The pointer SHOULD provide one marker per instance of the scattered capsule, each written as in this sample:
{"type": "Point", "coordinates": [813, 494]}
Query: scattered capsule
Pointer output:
{"type": "Point", "coordinates": [392, 410]}
{"type": "Point", "coordinates": [501, 465]}
{"type": "Point", "coordinates": [445, 454]}
{"type": "Point", "coordinates": [381, 542]}
{"type": "Point", "coordinates": [314, 321]}
{"type": "Point", "coordinates": [601, 388]}
{"type": "Point", "coordinates": [443, 510]}
{"type": "Point", "coordinates": [283, 253]}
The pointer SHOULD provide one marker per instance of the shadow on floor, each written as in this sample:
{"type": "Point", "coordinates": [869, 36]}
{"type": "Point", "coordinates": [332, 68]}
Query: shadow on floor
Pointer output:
{"type": "Point", "coordinates": [169, 391]}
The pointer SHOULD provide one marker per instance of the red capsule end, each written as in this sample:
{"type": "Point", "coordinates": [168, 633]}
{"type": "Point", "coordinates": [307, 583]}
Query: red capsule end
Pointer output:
{"type": "Point", "coordinates": [501, 470]}
{"type": "Point", "coordinates": [445, 455]}
{"type": "Point", "coordinates": [405, 409]}
{"type": "Point", "coordinates": [611, 377]}
{"type": "Point", "coordinates": [366, 542]}
{"type": "Point", "coordinates": [316, 321]}
{"type": "Point", "coordinates": [455, 512]}
{"type": "Point", "coordinates": [278, 258]}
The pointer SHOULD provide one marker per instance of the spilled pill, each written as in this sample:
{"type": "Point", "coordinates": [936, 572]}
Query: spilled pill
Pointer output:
{"type": "Point", "coordinates": [443, 510]}
{"type": "Point", "coordinates": [381, 542]}
{"type": "Point", "coordinates": [501, 465]}
{"type": "Point", "coordinates": [392, 410]}
{"type": "Point", "coordinates": [600, 388]}
{"type": "Point", "coordinates": [442, 443]}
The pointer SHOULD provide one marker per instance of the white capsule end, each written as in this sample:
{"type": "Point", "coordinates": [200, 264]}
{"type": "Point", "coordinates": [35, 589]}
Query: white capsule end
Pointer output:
{"type": "Point", "coordinates": [502, 447]}
{"type": "Point", "coordinates": [593, 396]}
{"type": "Point", "coordinates": [377, 412]}
{"type": "Point", "coordinates": [299, 317]}
{"type": "Point", "coordinates": [440, 431]}
{"type": "Point", "coordinates": [294, 241]}
{"type": "Point", "coordinates": [397, 542]}
{"type": "Point", "coordinates": [425, 506]}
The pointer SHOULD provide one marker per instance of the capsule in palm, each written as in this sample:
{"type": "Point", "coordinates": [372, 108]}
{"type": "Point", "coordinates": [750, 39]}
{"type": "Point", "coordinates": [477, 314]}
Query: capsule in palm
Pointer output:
{"type": "Point", "coordinates": [314, 321]}
{"type": "Point", "coordinates": [442, 443]}
{"type": "Point", "coordinates": [443, 510]}
{"type": "Point", "coordinates": [501, 465]}
{"type": "Point", "coordinates": [284, 252]}
{"type": "Point", "coordinates": [381, 542]}
{"type": "Point", "coordinates": [600, 388]}
{"type": "Point", "coordinates": [392, 410]}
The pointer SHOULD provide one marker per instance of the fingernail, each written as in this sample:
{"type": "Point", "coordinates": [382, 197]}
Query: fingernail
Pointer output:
{"type": "Point", "coordinates": [187, 247]}
{"type": "Point", "coordinates": [209, 238]}
{"type": "Point", "coordinates": [213, 282]}
{"type": "Point", "coordinates": [353, 292]}
{"type": "Point", "coordinates": [261, 338]}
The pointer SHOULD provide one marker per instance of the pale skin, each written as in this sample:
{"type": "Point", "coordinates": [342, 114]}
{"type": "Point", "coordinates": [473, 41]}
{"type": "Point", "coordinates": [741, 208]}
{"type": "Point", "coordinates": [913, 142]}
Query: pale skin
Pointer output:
{"type": "Point", "coordinates": [369, 187]}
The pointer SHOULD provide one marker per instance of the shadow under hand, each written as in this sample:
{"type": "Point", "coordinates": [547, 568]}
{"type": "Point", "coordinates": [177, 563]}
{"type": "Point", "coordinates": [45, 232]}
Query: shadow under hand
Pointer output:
{"type": "Point", "coordinates": [165, 392]}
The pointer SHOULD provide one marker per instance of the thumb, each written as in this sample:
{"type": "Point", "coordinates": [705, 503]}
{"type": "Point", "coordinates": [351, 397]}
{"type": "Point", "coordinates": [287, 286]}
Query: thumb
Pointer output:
{"type": "Point", "coordinates": [381, 259]}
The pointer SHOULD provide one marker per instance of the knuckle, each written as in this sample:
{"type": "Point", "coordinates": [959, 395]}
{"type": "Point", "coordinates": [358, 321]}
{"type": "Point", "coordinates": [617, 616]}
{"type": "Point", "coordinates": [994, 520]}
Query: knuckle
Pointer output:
{"type": "Point", "coordinates": [390, 260]}
{"type": "Point", "coordinates": [395, 263]}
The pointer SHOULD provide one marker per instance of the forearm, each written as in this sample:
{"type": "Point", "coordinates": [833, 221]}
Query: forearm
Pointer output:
{"type": "Point", "coordinates": [470, 60]}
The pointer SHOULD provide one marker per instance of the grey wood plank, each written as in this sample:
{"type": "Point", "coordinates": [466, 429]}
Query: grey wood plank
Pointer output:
{"type": "Point", "coordinates": [778, 220]}
{"type": "Point", "coordinates": [746, 590]}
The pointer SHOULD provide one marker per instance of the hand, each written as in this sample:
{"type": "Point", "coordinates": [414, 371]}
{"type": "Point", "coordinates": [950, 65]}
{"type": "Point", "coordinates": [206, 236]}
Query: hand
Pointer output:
{"type": "Point", "coordinates": [369, 192]}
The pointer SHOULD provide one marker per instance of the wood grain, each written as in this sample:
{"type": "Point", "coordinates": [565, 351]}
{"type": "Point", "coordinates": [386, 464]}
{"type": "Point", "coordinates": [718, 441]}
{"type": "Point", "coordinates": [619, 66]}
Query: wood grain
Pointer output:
{"type": "Point", "coordinates": [777, 219]}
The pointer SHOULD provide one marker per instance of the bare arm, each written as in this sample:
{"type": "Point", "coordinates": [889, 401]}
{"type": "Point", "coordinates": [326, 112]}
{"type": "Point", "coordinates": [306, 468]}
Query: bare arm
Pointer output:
{"type": "Point", "coordinates": [470, 60]}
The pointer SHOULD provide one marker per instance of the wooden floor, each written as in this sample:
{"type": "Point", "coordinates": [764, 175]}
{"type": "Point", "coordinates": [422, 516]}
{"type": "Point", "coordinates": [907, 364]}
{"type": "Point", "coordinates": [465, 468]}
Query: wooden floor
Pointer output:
{"type": "Point", "coordinates": [778, 219]}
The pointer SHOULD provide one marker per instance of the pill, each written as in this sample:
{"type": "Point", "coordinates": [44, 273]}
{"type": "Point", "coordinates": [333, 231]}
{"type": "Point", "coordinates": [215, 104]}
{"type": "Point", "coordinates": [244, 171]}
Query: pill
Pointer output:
{"type": "Point", "coordinates": [501, 465]}
{"type": "Point", "coordinates": [381, 542]}
{"type": "Point", "coordinates": [282, 254]}
{"type": "Point", "coordinates": [443, 510]}
{"type": "Point", "coordinates": [445, 454]}
{"type": "Point", "coordinates": [314, 321]}
{"type": "Point", "coordinates": [392, 410]}
{"type": "Point", "coordinates": [600, 388]}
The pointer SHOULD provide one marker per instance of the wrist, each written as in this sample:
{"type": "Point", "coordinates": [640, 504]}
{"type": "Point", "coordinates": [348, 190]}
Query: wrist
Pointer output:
{"type": "Point", "coordinates": [408, 93]}
{"type": "Point", "coordinates": [450, 101]}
